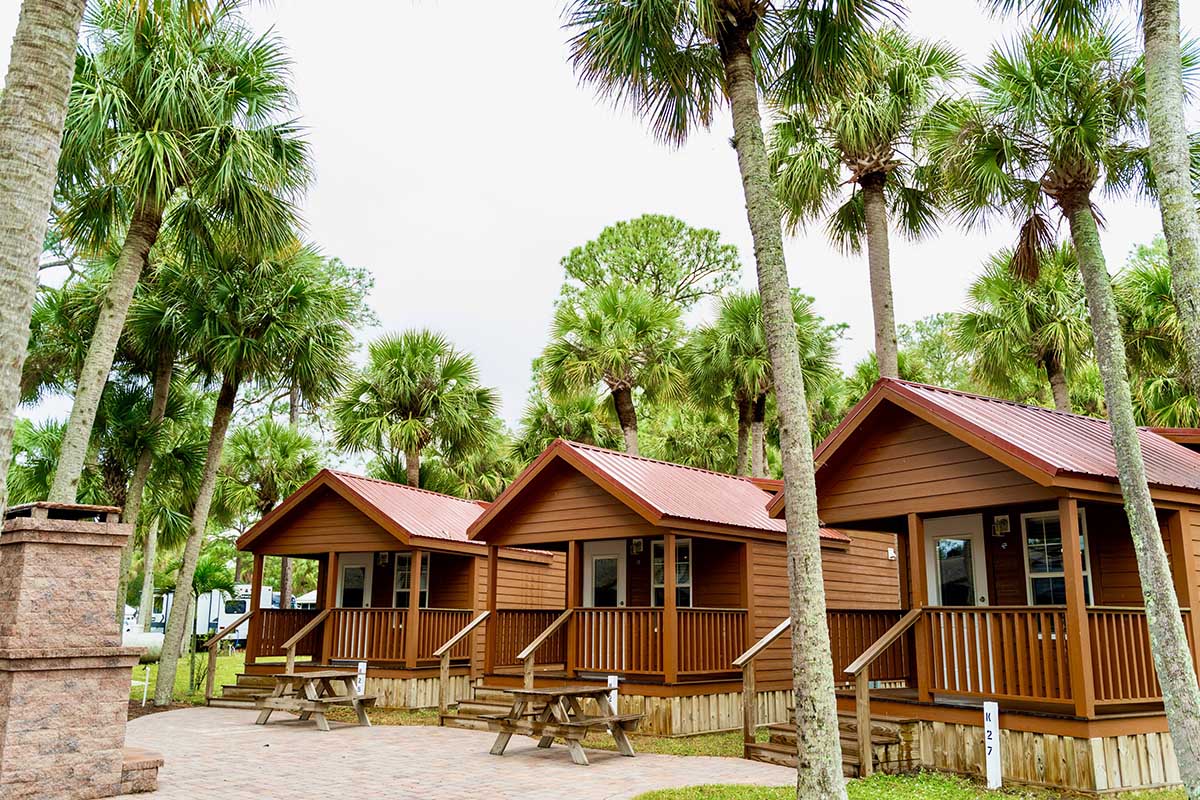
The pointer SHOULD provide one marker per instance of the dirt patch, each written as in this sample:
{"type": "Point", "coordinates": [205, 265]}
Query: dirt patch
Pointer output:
{"type": "Point", "coordinates": [136, 709]}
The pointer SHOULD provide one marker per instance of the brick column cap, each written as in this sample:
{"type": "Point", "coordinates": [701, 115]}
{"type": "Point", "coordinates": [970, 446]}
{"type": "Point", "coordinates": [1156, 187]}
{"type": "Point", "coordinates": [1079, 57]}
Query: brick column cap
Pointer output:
{"type": "Point", "coordinates": [32, 530]}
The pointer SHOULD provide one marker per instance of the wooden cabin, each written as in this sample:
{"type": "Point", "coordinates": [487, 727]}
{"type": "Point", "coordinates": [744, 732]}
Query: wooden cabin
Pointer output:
{"type": "Point", "coordinates": [986, 497]}
{"type": "Point", "coordinates": [671, 573]}
{"type": "Point", "coordinates": [397, 578]}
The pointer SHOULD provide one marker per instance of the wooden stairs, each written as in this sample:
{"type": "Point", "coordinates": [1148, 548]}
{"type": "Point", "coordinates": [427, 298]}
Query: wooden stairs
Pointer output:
{"type": "Point", "coordinates": [243, 693]}
{"type": "Point", "coordinates": [893, 740]}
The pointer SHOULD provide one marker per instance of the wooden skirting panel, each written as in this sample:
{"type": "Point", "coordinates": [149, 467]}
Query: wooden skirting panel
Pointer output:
{"type": "Point", "coordinates": [1106, 764]}
{"type": "Point", "coordinates": [688, 715]}
{"type": "Point", "coordinates": [415, 692]}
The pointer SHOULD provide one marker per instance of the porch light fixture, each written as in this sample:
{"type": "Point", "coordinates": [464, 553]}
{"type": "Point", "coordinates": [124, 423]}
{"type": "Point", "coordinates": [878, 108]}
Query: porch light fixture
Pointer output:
{"type": "Point", "coordinates": [1001, 525]}
{"type": "Point", "coordinates": [635, 546]}
{"type": "Point", "coordinates": [383, 559]}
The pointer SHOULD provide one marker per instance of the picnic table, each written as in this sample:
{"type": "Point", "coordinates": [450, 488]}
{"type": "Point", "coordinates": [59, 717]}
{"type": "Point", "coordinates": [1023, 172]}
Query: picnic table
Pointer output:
{"type": "Point", "coordinates": [311, 694]}
{"type": "Point", "coordinates": [562, 717]}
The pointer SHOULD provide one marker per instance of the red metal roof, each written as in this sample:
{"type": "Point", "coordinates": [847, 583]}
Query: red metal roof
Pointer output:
{"type": "Point", "coordinates": [418, 511]}
{"type": "Point", "coordinates": [1053, 441]}
{"type": "Point", "coordinates": [676, 492]}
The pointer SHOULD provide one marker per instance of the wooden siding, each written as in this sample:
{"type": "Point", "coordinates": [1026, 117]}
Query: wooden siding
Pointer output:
{"type": "Point", "coordinates": [716, 573]}
{"type": "Point", "coordinates": [450, 580]}
{"type": "Point", "coordinates": [325, 523]}
{"type": "Point", "coordinates": [519, 584]}
{"type": "Point", "coordinates": [562, 504]}
{"type": "Point", "coordinates": [861, 575]}
{"type": "Point", "coordinates": [897, 464]}
{"type": "Point", "coordinates": [773, 668]}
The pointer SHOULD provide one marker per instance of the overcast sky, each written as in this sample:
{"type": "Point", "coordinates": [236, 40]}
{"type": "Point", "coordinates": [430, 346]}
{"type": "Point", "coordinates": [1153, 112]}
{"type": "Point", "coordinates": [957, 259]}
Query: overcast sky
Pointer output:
{"type": "Point", "coordinates": [458, 158]}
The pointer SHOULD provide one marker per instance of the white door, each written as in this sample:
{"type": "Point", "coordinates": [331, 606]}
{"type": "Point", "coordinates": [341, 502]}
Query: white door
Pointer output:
{"type": "Point", "coordinates": [954, 561]}
{"type": "Point", "coordinates": [354, 580]}
{"type": "Point", "coordinates": [604, 574]}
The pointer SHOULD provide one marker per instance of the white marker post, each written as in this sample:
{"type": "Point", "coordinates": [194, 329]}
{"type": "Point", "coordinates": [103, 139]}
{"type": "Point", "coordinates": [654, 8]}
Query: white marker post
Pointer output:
{"type": "Point", "coordinates": [360, 683]}
{"type": "Point", "coordinates": [991, 740]}
{"type": "Point", "coordinates": [612, 693]}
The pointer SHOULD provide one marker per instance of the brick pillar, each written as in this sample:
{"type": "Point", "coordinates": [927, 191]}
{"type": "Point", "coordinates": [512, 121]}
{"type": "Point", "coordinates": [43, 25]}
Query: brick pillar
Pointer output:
{"type": "Point", "coordinates": [64, 676]}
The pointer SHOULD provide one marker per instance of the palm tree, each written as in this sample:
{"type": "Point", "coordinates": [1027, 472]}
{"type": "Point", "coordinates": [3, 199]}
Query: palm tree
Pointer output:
{"type": "Point", "coordinates": [1054, 118]}
{"type": "Point", "coordinates": [263, 465]}
{"type": "Point", "coordinates": [32, 110]}
{"type": "Point", "coordinates": [1172, 153]}
{"type": "Point", "coordinates": [860, 134]}
{"type": "Point", "coordinates": [199, 139]}
{"type": "Point", "coordinates": [34, 458]}
{"type": "Point", "coordinates": [583, 417]}
{"type": "Point", "coordinates": [698, 437]}
{"type": "Point", "coordinates": [675, 62]}
{"type": "Point", "coordinates": [729, 358]}
{"type": "Point", "coordinates": [621, 336]}
{"type": "Point", "coordinates": [480, 473]}
{"type": "Point", "coordinates": [416, 390]}
{"type": "Point", "coordinates": [243, 310]}
{"type": "Point", "coordinates": [1012, 326]}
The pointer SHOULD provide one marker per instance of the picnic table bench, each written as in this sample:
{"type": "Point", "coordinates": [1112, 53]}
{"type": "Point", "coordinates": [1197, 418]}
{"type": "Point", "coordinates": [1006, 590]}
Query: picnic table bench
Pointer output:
{"type": "Point", "coordinates": [562, 717]}
{"type": "Point", "coordinates": [311, 694]}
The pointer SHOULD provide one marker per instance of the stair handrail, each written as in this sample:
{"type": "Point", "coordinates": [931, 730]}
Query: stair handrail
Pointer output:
{"type": "Point", "coordinates": [290, 645]}
{"type": "Point", "coordinates": [528, 656]}
{"type": "Point", "coordinates": [745, 662]}
{"type": "Point", "coordinates": [860, 670]}
{"type": "Point", "coordinates": [443, 656]}
{"type": "Point", "coordinates": [211, 645]}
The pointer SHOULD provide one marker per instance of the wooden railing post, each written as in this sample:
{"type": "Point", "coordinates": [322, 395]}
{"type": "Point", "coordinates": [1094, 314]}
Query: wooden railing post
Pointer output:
{"type": "Point", "coordinates": [1079, 637]}
{"type": "Point", "coordinates": [412, 621]}
{"type": "Point", "coordinates": [749, 706]}
{"type": "Point", "coordinates": [670, 625]}
{"type": "Point", "coordinates": [329, 601]}
{"type": "Point", "coordinates": [443, 656]}
{"type": "Point", "coordinates": [574, 599]}
{"type": "Point", "coordinates": [256, 581]}
{"type": "Point", "coordinates": [213, 645]}
{"type": "Point", "coordinates": [919, 592]}
{"type": "Point", "coordinates": [862, 716]}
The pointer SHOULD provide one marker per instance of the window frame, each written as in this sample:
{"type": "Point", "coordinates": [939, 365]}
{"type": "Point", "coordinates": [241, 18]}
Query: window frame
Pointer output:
{"type": "Point", "coordinates": [423, 580]}
{"type": "Point", "coordinates": [1086, 555]}
{"type": "Point", "coordinates": [661, 545]}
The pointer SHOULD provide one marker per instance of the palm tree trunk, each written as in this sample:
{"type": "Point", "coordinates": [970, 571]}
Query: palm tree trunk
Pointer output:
{"type": "Point", "coordinates": [1058, 383]}
{"type": "Point", "coordinates": [143, 231]}
{"type": "Point", "coordinates": [1170, 159]}
{"type": "Point", "coordinates": [819, 748]}
{"type": "Point", "coordinates": [141, 470]}
{"type": "Point", "coordinates": [1168, 642]}
{"type": "Point", "coordinates": [33, 108]}
{"type": "Point", "coordinates": [149, 556]}
{"type": "Point", "coordinates": [743, 433]}
{"type": "Point", "coordinates": [285, 563]}
{"type": "Point", "coordinates": [169, 661]}
{"type": "Point", "coordinates": [412, 466]}
{"type": "Point", "coordinates": [879, 266]}
{"type": "Point", "coordinates": [758, 439]}
{"type": "Point", "coordinates": [627, 418]}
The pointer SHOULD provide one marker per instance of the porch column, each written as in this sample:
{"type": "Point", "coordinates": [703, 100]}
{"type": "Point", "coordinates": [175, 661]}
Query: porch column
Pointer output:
{"type": "Point", "coordinates": [411, 623]}
{"type": "Point", "coordinates": [1079, 638]}
{"type": "Point", "coordinates": [573, 599]}
{"type": "Point", "coordinates": [329, 600]}
{"type": "Point", "coordinates": [1183, 554]}
{"type": "Point", "coordinates": [489, 630]}
{"type": "Point", "coordinates": [919, 592]}
{"type": "Point", "coordinates": [670, 626]}
{"type": "Point", "coordinates": [256, 580]}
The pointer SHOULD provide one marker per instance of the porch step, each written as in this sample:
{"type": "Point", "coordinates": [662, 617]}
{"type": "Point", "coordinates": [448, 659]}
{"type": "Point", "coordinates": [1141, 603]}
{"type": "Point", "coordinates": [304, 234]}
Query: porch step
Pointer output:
{"type": "Point", "coordinates": [230, 702]}
{"type": "Point", "coordinates": [891, 741]}
{"type": "Point", "coordinates": [484, 700]}
{"type": "Point", "coordinates": [244, 693]}
{"type": "Point", "coordinates": [785, 756]}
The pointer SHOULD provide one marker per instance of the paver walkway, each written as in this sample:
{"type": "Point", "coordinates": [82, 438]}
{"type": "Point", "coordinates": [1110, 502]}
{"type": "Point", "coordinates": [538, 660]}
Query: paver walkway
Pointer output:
{"type": "Point", "coordinates": [220, 752]}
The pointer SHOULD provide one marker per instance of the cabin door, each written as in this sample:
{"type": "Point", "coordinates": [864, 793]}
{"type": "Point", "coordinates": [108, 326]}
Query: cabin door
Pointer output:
{"type": "Point", "coordinates": [604, 574]}
{"type": "Point", "coordinates": [354, 580]}
{"type": "Point", "coordinates": [954, 560]}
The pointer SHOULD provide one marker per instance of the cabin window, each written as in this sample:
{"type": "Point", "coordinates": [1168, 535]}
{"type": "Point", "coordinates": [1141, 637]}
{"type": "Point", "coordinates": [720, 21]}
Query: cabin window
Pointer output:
{"type": "Point", "coordinates": [404, 581]}
{"type": "Point", "coordinates": [683, 573]}
{"type": "Point", "coordinates": [1047, 583]}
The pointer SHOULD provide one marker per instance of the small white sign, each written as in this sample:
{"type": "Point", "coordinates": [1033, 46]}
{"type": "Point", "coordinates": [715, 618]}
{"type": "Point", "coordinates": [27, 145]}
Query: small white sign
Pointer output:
{"type": "Point", "coordinates": [360, 683]}
{"type": "Point", "coordinates": [612, 694]}
{"type": "Point", "coordinates": [991, 742]}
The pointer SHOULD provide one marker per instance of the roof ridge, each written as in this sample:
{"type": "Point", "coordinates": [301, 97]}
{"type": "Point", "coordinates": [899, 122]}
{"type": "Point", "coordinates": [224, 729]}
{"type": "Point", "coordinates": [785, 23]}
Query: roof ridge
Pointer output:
{"type": "Point", "coordinates": [743, 478]}
{"type": "Point", "coordinates": [345, 474]}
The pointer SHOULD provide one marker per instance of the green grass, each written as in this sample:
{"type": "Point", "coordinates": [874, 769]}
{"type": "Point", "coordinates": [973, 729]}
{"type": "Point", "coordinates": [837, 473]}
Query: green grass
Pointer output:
{"type": "Point", "coordinates": [228, 668]}
{"type": "Point", "coordinates": [924, 786]}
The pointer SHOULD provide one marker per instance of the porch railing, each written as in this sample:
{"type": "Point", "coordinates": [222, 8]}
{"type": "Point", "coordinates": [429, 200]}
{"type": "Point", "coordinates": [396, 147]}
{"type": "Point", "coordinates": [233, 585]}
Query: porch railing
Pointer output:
{"type": "Point", "coordinates": [1001, 652]}
{"type": "Point", "coordinates": [367, 634]}
{"type": "Point", "coordinates": [436, 625]}
{"type": "Point", "coordinates": [710, 638]}
{"type": "Point", "coordinates": [274, 626]}
{"type": "Point", "coordinates": [852, 631]}
{"type": "Point", "coordinates": [622, 640]}
{"type": "Point", "coordinates": [1121, 661]}
{"type": "Point", "coordinates": [514, 628]}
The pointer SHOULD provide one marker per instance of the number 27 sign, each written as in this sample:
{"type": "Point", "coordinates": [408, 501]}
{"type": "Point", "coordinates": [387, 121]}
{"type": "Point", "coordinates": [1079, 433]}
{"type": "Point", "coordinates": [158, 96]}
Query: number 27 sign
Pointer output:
{"type": "Point", "coordinates": [991, 742]}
